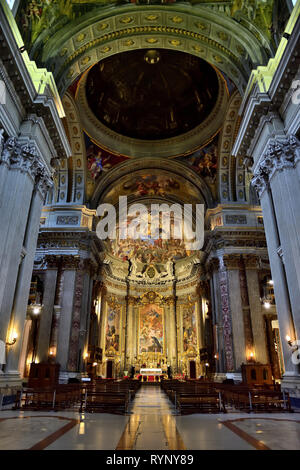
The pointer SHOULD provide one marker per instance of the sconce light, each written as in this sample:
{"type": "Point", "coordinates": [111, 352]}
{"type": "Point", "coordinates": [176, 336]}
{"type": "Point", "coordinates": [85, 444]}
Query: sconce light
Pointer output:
{"type": "Point", "coordinates": [289, 341]}
{"type": "Point", "coordinates": [216, 356]}
{"type": "Point", "coordinates": [13, 340]}
{"type": "Point", "coordinates": [206, 364]}
{"type": "Point", "coordinates": [95, 364]}
{"type": "Point", "coordinates": [271, 282]}
{"type": "Point", "coordinates": [267, 304]}
{"type": "Point", "coordinates": [35, 309]}
{"type": "Point", "coordinates": [86, 355]}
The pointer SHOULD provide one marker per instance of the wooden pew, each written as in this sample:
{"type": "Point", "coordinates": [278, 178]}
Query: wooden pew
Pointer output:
{"type": "Point", "coordinates": [104, 402]}
{"type": "Point", "coordinates": [188, 403]}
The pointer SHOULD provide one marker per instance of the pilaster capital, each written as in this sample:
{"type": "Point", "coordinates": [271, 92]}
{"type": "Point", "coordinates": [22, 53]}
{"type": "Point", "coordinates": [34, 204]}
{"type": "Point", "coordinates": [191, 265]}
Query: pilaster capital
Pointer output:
{"type": "Point", "coordinates": [251, 261]}
{"type": "Point", "coordinates": [88, 266]}
{"type": "Point", "coordinates": [232, 261]}
{"type": "Point", "coordinates": [70, 262]}
{"type": "Point", "coordinates": [213, 265]}
{"type": "Point", "coordinates": [169, 301]}
{"type": "Point", "coordinates": [131, 300]}
{"type": "Point", "coordinates": [52, 261]}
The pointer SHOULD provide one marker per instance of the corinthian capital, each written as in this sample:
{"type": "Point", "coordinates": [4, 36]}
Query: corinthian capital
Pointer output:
{"type": "Point", "coordinates": [259, 182]}
{"type": "Point", "coordinates": [7, 149]}
{"type": "Point", "coordinates": [280, 154]}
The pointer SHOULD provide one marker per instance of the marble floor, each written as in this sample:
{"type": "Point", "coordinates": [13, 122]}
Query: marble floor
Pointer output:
{"type": "Point", "coordinates": [151, 424]}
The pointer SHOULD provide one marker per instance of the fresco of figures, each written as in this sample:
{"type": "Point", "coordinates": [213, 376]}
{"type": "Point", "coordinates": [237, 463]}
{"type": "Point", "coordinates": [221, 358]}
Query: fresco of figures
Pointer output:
{"type": "Point", "coordinates": [36, 16]}
{"type": "Point", "coordinates": [158, 183]}
{"type": "Point", "coordinates": [151, 329]}
{"type": "Point", "coordinates": [99, 161]}
{"type": "Point", "coordinates": [113, 329]}
{"type": "Point", "coordinates": [189, 329]}
{"type": "Point", "coordinates": [204, 161]}
{"type": "Point", "coordinates": [147, 249]}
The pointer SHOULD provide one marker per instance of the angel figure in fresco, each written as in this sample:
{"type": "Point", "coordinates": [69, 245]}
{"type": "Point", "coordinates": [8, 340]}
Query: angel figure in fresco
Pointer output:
{"type": "Point", "coordinates": [94, 165]}
{"type": "Point", "coordinates": [96, 162]}
{"type": "Point", "coordinates": [204, 162]}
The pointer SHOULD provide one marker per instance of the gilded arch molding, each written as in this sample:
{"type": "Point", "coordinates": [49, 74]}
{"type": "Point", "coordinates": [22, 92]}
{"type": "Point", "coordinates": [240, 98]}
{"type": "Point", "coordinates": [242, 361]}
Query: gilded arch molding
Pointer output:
{"type": "Point", "coordinates": [198, 30]}
{"type": "Point", "coordinates": [231, 173]}
{"type": "Point", "coordinates": [72, 177]}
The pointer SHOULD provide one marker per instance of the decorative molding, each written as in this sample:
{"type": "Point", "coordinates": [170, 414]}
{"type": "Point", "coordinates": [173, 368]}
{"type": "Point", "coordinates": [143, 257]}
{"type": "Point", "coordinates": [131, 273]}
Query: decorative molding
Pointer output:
{"type": "Point", "coordinates": [67, 220]}
{"type": "Point", "coordinates": [235, 219]}
{"type": "Point", "coordinates": [226, 320]}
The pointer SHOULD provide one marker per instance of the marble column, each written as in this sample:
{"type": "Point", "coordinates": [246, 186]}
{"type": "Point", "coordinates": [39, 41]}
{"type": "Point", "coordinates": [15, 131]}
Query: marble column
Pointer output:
{"type": "Point", "coordinates": [48, 305]}
{"type": "Point", "coordinates": [226, 315]}
{"type": "Point", "coordinates": [276, 222]}
{"type": "Point", "coordinates": [212, 269]}
{"type": "Point", "coordinates": [16, 200]}
{"type": "Point", "coordinates": [257, 318]}
{"type": "Point", "coordinates": [24, 279]}
{"type": "Point", "coordinates": [130, 332]}
{"type": "Point", "coordinates": [57, 308]}
{"type": "Point", "coordinates": [71, 264]}
{"type": "Point", "coordinates": [73, 352]}
{"type": "Point", "coordinates": [102, 340]}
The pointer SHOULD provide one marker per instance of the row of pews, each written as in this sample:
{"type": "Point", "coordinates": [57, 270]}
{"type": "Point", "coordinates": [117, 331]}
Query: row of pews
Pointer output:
{"type": "Point", "coordinates": [211, 397]}
{"type": "Point", "coordinates": [98, 396]}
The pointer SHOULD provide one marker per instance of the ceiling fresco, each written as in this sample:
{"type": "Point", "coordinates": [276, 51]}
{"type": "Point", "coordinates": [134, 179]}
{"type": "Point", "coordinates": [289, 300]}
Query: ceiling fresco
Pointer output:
{"type": "Point", "coordinates": [158, 183]}
{"type": "Point", "coordinates": [36, 17]}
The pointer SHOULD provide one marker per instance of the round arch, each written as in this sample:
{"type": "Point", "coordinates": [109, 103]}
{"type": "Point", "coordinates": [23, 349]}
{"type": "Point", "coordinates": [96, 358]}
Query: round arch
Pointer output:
{"type": "Point", "coordinates": [131, 167]}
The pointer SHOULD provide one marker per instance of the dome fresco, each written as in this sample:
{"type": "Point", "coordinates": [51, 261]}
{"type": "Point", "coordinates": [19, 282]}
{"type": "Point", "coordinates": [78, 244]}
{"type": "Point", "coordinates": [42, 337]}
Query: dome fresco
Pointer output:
{"type": "Point", "coordinates": [152, 94]}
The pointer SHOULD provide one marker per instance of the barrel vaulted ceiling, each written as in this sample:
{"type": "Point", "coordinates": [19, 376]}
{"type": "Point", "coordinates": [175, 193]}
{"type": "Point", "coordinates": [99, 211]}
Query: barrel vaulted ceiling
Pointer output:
{"type": "Point", "coordinates": [71, 37]}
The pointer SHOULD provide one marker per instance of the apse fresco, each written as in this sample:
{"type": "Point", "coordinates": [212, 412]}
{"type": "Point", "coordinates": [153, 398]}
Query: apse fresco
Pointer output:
{"type": "Point", "coordinates": [113, 329]}
{"type": "Point", "coordinates": [151, 329]}
{"type": "Point", "coordinates": [153, 183]}
{"type": "Point", "coordinates": [189, 329]}
{"type": "Point", "coordinates": [147, 249]}
{"type": "Point", "coordinates": [99, 161]}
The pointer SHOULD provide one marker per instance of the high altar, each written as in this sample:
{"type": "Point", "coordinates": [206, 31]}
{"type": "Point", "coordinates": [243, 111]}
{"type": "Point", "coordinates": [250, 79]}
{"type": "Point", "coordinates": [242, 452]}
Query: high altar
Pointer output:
{"type": "Point", "coordinates": [152, 326]}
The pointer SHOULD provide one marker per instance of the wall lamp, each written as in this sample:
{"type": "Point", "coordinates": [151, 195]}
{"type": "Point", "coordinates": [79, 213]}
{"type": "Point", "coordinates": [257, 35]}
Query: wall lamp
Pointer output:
{"type": "Point", "coordinates": [13, 340]}
{"type": "Point", "coordinates": [288, 340]}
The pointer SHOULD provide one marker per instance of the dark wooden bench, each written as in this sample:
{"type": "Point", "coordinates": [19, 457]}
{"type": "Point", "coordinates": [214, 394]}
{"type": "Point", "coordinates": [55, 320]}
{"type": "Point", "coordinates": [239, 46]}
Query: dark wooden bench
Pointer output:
{"type": "Point", "coordinates": [211, 402]}
{"type": "Point", "coordinates": [104, 402]}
